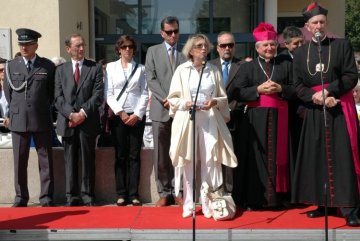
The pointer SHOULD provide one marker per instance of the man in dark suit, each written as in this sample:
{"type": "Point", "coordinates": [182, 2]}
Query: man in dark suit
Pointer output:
{"type": "Point", "coordinates": [229, 67]}
{"type": "Point", "coordinates": [78, 96]}
{"type": "Point", "coordinates": [161, 62]}
{"type": "Point", "coordinates": [29, 90]}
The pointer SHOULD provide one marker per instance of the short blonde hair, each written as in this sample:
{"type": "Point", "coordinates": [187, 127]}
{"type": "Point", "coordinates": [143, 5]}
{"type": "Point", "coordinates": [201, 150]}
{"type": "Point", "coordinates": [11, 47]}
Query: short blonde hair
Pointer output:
{"type": "Point", "coordinates": [191, 41]}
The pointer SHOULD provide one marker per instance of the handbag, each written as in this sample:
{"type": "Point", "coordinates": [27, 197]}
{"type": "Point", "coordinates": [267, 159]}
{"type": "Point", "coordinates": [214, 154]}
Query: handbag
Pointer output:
{"type": "Point", "coordinates": [109, 113]}
{"type": "Point", "coordinates": [221, 204]}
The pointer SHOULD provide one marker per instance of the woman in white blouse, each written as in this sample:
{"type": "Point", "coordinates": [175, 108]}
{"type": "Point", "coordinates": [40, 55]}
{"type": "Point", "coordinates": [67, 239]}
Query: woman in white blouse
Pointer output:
{"type": "Point", "coordinates": [127, 95]}
{"type": "Point", "coordinates": [213, 139]}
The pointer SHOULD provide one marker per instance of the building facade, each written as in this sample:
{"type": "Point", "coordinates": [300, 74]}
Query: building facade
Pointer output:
{"type": "Point", "coordinates": [101, 22]}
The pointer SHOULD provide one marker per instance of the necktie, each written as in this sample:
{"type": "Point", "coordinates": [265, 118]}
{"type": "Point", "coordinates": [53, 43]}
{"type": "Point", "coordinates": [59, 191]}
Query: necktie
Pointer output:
{"type": "Point", "coordinates": [225, 72]}
{"type": "Point", "coordinates": [28, 66]}
{"type": "Point", "coordinates": [172, 58]}
{"type": "Point", "coordinates": [77, 74]}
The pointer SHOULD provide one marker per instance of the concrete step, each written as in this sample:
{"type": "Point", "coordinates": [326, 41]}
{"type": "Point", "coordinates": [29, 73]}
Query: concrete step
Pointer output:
{"type": "Point", "coordinates": [105, 177]}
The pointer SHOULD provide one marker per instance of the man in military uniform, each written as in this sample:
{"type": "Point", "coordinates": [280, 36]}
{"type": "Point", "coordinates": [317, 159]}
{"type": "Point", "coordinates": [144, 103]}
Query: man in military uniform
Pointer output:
{"type": "Point", "coordinates": [29, 90]}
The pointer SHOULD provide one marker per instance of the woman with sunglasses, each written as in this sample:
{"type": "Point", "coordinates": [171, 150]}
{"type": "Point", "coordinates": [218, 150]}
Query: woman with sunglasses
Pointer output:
{"type": "Point", "coordinates": [213, 139]}
{"type": "Point", "coordinates": [127, 96]}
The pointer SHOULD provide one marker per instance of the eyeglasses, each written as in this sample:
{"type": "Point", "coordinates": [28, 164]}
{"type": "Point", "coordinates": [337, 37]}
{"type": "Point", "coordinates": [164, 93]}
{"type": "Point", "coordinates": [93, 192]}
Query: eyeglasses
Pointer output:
{"type": "Point", "coordinates": [229, 45]}
{"type": "Point", "coordinates": [200, 46]}
{"type": "Point", "coordinates": [127, 46]}
{"type": "Point", "coordinates": [170, 32]}
{"type": "Point", "coordinates": [79, 45]}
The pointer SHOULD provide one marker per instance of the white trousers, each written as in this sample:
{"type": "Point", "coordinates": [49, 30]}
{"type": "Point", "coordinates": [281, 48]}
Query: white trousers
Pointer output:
{"type": "Point", "coordinates": [210, 171]}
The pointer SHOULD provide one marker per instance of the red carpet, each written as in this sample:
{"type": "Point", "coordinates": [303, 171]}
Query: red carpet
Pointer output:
{"type": "Point", "coordinates": [153, 218]}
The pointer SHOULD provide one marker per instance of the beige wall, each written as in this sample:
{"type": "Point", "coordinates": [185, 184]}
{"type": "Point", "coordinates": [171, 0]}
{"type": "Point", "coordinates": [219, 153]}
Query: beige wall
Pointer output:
{"type": "Point", "coordinates": [54, 19]}
{"type": "Point", "coordinates": [336, 14]}
{"type": "Point", "coordinates": [73, 13]}
{"type": "Point", "coordinates": [40, 15]}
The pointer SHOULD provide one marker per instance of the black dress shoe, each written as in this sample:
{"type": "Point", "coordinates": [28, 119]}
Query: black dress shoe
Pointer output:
{"type": "Point", "coordinates": [90, 204]}
{"type": "Point", "coordinates": [19, 204]}
{"type": "Point", "coordinates": [319, 212]}
{"type": "Point", "coordinates": [352, 221]}
{"type": "Point", "coordinates": [136, 202]}
{"type": "Point", "coordinates": [47, 204]}
{"type": "Point", "coordinates": [73, 203]}
{"type": "Point", "coordinates": [121, 202]}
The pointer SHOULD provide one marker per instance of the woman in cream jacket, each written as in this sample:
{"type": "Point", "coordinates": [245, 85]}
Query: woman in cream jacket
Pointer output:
{"type": "Point", "coordinates": [213, 139]}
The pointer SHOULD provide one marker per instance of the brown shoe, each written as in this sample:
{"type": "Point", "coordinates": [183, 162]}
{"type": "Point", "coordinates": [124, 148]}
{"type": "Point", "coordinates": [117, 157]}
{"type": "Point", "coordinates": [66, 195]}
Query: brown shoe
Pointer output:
{"type": "Point", "coordinates": [178, 201]}
{"type": "Point", "coordinates": [162, 202]}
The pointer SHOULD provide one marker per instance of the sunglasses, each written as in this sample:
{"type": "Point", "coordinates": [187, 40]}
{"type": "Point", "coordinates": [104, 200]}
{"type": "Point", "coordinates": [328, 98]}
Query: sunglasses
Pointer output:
{"type": "Point", "coordinates": [229, 45]}
{"type": "Point", "coordinates": [127, 46]}
{"type": "Point", "coordinates": [200, 46]}
{"type": "Point", "coordinates": [170, 32]}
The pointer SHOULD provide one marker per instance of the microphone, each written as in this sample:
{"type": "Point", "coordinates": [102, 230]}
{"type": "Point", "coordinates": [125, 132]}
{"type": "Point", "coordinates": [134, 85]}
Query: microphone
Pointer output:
{"type": "Point", "coordinates": [203, 63]}
{"type": "Point", "coordinates": [317, 37]}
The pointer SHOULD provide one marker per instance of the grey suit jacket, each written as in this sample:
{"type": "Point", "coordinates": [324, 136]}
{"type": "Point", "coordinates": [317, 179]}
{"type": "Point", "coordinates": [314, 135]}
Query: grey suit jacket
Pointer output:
{"type": "Point", "coordinates": [30, 110]}
{"type": "Point", "coordinates": [158, 77]}
{"type": "Point", "coordinates": [88, 96]}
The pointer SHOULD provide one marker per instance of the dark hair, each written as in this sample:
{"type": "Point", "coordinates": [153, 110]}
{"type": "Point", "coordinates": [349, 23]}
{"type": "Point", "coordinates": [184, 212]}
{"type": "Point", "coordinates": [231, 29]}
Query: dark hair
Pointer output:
{"type": "Point", "coordinates": [2, 61]}
{"type": "Point", "coordinates": [74, 35]}
{"type": "Point", "coordinates": [121, 41]}
{"type": "Point", "coordinates": [102, 61]}
{"type": "Point", "coordinates": [291, 32]}
{"type": "Point", "coordinates": [169, 20]}
{"type": "Point", "coordinates": [17, 54]}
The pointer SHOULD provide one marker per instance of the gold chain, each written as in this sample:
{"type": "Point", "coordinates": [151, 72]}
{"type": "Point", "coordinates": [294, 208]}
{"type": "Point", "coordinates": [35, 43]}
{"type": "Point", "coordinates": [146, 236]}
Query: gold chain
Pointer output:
{"type": "Point", "coordinates": [307, 60]}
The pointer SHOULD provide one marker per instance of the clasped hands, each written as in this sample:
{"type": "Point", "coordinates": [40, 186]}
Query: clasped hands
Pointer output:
{"type": "Point", "coordinates": [76, 118]}
{"type": "Point", "coordinates": [269, 87]}
{"type": "Point", "coordinates": [330, 101]}
{"type": "Point", "coordinates": [206, 105]}
{"type": "Point", "coordinates": [6, 122]}
{"type": "Point", "coordinates": [129, 120]}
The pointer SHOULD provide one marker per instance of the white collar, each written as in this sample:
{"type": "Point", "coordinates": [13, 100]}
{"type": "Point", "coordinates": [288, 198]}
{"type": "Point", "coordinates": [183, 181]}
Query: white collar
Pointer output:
{"type": "Point", "coordinates": [32, 60]}
{"type": "Point", "coordinates": [80, 62]}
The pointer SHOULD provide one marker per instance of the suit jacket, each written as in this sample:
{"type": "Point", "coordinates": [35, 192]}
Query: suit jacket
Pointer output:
{"type": "Point", "coordinates": [234, 74]}
{"type": "Point", "coordinates": [30, 109]}
{"type": "Point", "coordinates": [158, 76]}
{"type": "Point", "coordinates": [70, 98]}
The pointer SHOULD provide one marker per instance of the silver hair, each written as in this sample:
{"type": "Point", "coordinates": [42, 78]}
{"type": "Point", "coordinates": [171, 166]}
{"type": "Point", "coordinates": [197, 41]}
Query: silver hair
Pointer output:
{"type": "Point", "coordinates": [57, 60]}
{"type": "Point", "coordinates": [190, 44]}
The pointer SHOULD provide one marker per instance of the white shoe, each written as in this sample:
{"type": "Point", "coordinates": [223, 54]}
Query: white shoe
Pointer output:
{"type": "Point", "coordinates": [186, 214]}
{"type": "Point", "coordinates": [207, 215]}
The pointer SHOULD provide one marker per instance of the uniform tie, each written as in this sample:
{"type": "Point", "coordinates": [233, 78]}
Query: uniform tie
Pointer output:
{"type": "Point", "coordinates": [172, 58]}
{"type": "Point", "coordinates": [28, 66]}
{"type": "Point", "coordinates": [77, 74]}
{"type": "Point", "coordinates": [225, 72]}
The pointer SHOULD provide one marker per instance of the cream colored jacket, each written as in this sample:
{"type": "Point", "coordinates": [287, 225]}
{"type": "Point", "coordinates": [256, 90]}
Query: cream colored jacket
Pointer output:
{"type": "Point", "coordinates": [220, 147]}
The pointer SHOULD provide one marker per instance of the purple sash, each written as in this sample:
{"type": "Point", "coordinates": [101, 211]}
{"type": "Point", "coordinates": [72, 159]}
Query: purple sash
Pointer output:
{"type": "Point", "coordinates": [348, 108]}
